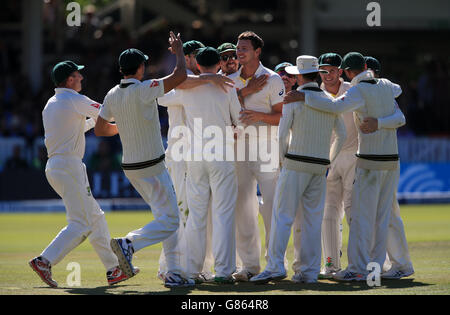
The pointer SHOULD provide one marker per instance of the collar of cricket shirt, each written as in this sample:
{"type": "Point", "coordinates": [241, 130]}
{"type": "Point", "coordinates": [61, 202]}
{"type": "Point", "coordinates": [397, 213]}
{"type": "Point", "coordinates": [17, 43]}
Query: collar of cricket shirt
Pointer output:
{"type": "Point", "coordinates": [366, 75]}
{"type": "Point", "coordinates": [309, 84]}
{"type": "Point", "coordinates": [124, 81]}
{"type": "Point", "coordinates": [65, 90]}
{"type": "Point", "coordinates": [257, 73]}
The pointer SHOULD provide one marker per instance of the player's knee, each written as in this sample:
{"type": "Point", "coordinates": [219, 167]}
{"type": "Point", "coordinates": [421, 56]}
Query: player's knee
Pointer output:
{"type": "Point", "coordinates": [78, 229]}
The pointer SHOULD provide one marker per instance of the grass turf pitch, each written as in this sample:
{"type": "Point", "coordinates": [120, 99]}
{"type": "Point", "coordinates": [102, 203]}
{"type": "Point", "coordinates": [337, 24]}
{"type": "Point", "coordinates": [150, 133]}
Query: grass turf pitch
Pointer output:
{"type": "Point", "coordinates": [24, 236]}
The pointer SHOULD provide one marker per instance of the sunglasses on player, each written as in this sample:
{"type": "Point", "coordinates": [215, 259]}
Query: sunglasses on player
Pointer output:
{"type": "Point", "coordinates": [284, 73]}
{"type": "Point", "coordinates": [227, 57]}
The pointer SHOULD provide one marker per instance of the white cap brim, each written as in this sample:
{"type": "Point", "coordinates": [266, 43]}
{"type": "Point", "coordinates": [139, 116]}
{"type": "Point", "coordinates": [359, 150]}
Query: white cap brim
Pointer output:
{"type": "Point", "coordinates": [294, 70]}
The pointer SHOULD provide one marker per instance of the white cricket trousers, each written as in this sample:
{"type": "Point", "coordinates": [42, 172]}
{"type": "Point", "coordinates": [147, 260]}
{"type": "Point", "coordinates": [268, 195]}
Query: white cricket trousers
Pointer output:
{"type": "Point", "coordinates": [158, 192]}
{"type": "Point", "coordinates": [250, 173]}
{"type": "Point", "coordinates": [213, 182]}
{"type": "Point", "coordinates": [397, 246]}
{"type": "Point", "coordinates": [372, 200]}
{"type": "Point", "coordinates": [337, 203]}
{"type": "Point", "coordinates": [67, 176]}
{"type": "Point", "coordinates": [295, 188]}
{"type": "Point", "coordinates": [178, 173]}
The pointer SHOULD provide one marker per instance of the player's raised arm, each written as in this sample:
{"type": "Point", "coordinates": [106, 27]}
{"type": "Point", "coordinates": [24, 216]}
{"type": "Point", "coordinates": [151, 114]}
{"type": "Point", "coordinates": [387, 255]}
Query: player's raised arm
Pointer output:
{"type": "Point", "coordinates": [179, 74]}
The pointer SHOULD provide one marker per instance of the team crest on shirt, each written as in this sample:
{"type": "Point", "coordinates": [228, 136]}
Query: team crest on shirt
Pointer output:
{"type": "Point", "coordinates": [281, 93]}
{"type": "Point", "coordinates": [89, 191]}
{"type": "Point", "coordinates": [154, 84]}
{"type": "Point", "coordinates": [96, 106]}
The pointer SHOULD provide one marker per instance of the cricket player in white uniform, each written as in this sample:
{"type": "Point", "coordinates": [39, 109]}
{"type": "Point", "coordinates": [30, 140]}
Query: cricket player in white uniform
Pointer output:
{"type": "Point", "coordinates": [398, 263]}
{"type": "Point", "coordinates": [261, 109]}
{"type": "Point", "coordinates": [377, 171]}
{"type": "Point", "coordinates": [65, 124]}
{"type": "Point", "coordinates": [178, 169]}
{"type": "Point", "coordinates": [302, 178]}
{"type": "Point", "coordinates": [211, 176]}
{"type": "Point", "coordinates": [290, 82]}
{"type": "Point", "coordinates": [342, 171]}
{"type": "Point", "coordinates": [132, 105]}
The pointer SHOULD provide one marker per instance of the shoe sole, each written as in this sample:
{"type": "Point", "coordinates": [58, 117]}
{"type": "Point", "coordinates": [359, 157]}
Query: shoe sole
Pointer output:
{"type": "Point", "coordinates": [278, 278]}
{"type": "Point", "coordinates": [37, 271]}
{"type": "Point", "coordinates": [240, 279]}
{"type": "Point", "coordinates": [122, 280]}
{"type": "Point", "coordinates": [126, 267]}
{"type": "Point", "coordinates": [397, 278]}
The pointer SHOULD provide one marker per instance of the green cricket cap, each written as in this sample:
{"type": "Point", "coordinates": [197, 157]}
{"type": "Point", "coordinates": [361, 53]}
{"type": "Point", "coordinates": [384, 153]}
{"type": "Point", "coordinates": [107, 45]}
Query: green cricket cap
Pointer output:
{"type": "Point", "coordinates": [225, 47]}
{"type": "Point", "coordinates": [192, 46]}
{"type": "Point", "coordinates": [131, 58]}
{"type": "Point", "coordinates": [282, 65]}
{"type": "Point", "coordinates": [373, 63]}
{"type": "Point", "coordinates": [353, 61]}
{"type": "Point", "coordinates": [208, 57]}
{"type": "Point", "coordinates": [63, 70]}
{"type": "Point", "coordinates": [330, 59]}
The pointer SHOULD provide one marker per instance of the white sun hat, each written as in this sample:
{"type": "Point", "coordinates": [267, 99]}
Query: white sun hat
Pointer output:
{"type": "Point", "coordinates": [305, 64]}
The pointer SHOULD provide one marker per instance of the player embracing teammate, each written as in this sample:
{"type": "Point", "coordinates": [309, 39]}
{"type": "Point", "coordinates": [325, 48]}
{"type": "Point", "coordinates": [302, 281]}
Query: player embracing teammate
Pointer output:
{"type": "Point", "coordinates": [338, 154]}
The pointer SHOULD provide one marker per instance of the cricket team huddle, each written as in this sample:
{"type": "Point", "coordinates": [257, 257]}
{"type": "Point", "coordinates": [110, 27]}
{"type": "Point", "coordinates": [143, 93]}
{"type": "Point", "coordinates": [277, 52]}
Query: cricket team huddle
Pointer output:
{"type": "Point", "coordinates": [336, 145]}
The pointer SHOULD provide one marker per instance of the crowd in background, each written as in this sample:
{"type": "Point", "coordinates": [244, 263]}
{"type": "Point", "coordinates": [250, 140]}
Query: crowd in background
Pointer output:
{"type": "Point", "coordinates": [97, 45]}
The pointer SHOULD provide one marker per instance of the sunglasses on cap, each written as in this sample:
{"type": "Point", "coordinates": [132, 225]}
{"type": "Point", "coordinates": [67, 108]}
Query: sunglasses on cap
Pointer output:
{"type": "Point", "coordinates": [228, 57]}
{"type": "Point", "coordinates": [284, 73]}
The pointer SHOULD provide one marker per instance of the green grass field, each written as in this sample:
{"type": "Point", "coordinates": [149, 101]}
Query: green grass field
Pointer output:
{"type": "Point", "coordinates": [23, 236]}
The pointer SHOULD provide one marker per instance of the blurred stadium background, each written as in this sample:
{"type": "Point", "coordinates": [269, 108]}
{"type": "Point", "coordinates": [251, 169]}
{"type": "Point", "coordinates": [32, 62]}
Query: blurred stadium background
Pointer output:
{"type": "Point", "coordinates": [411, 43]}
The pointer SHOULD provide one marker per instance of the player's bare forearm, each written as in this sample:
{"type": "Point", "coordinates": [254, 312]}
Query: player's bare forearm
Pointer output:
{"type": "Point", "coordinates": [179, 74]}
{"type": "Point", "coordinates": [294, 96]}
{"type": "Point", "coordinates": [251, 117]}
{"type": "Point", "coordinates": [105, 129]}
{"type": "Point", "coordinates": [192, 81]}
{"type": "Point", "coordinates": [220, 81]}
{"type": "Point", "coordinates": [254, 85]}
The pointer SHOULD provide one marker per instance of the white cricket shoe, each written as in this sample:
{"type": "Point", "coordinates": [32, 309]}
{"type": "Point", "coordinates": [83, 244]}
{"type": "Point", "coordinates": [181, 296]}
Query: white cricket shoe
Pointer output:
{"type": "Point", "coordinates": [44, 270]}
{"type": "Point", "coordinates": [203, 277]}
{"type": "Point", "coordinates": [124, 251]}
{"type": "Point", "coordinates": [395, 273]}
{"type": "Point", "coordinates": [242, 275]}
{"type": "Point", "coordinates": [174, 280]}
{"type": "Point", "coordinates": [267, 276]}
{"type": "Point", "coordinates": [299, 278]}
{"type": "Point", "coordinates": [327, 273]}
{"type": "Point", "coordinates": [345, 275]}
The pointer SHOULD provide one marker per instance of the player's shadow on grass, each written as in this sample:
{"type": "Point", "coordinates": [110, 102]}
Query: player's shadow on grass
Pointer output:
{"type": "Point", "coordinates": [110, 290]}
{"type": "Point", "coordinates": [105, 290]}
{"type": "Point", "coordinates": [321, 286]}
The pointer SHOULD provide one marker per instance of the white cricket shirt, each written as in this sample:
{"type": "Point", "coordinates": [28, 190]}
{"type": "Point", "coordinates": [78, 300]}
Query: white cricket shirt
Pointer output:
{"type": "Point", "coordinates": [311, 134]}
{"type": "Point", "coordinates": [64, 118]}
{"type": "Point", "coordinates": [214, 107]}
{"type": "Point", "coordinates": [367, 100]}
{"type": "Point", "coordinates": [351, 141]}
{"type": "Point", "coordinates": [262, 101]}
{"type": "Point", "coordinates": [132, 105]}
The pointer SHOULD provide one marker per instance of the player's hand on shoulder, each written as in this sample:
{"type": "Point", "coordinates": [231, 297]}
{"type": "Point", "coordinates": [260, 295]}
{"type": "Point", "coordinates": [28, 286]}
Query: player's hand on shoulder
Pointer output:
{"type": "Point", "coordinates": [294, 96]}
{"type": "Point", "coordinates": [220, 81]}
